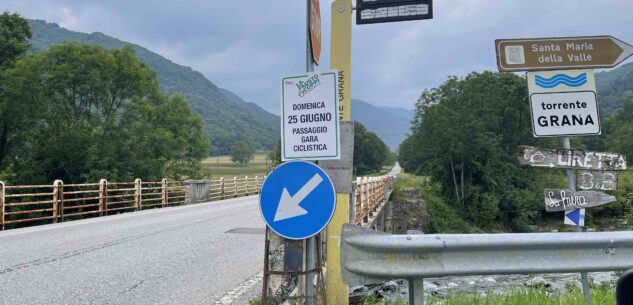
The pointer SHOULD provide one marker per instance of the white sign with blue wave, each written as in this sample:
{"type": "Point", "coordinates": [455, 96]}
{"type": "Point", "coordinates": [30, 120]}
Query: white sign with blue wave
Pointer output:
{"type": "Point", "coordinates": [560, 79]}
{"type": "Point", "coordinates": [563, 103]}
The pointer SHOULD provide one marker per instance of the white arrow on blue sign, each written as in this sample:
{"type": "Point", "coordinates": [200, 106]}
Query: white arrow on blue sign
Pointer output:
{"type": "Point", "coordinates": [297, 200]}
{"type": "Point", "coordinates": [575, 217]}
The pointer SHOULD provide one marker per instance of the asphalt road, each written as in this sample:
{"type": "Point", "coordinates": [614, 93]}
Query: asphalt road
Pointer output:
{"type": "Point", "coordinates": [177, 255]}
{"type": "Point", "coordinates": [395, 170]}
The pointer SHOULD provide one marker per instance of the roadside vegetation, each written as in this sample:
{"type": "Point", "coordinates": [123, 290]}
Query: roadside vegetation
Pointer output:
{"type": "Point", "coordinates": [465, 136]}
{"type": "Point", "coordinates": [601, 295]}
{"type": "Point", "coordinates": [80, 113]}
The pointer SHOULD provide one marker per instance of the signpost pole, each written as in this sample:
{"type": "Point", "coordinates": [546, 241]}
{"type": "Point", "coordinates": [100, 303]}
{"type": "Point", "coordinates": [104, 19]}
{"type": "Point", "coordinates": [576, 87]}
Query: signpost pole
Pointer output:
{"type": "Point", "coordinates": [571, 181]}
{"type": "Point", "coordinates": [340, 170]}
{"type": "Point", "coordinates": [309, 245]}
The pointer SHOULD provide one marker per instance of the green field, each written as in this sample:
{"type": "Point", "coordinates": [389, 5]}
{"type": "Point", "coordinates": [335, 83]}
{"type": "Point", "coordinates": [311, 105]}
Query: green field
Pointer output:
{"type": "Point", "coordinates": [221, 166]}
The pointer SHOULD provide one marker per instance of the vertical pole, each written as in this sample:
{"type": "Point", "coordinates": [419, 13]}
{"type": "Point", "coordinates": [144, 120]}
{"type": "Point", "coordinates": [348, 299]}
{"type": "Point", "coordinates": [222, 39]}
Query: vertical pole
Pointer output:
{"type": "Point", "coordinates": [164, 192]}
{"type": "Point", "coordinates": [103, 195]}
{"type": "Point", "coordinates": [265, 279]}
{"type": "Point", "coordinates": [416, 292]}
{"type": "Point", "coordinates": [572, 186]}
{"type": "Point", "coordinates": [56, 196]}
{"type": "Point", "coordinates": [222, 188]}
{"type": "Point", "coordinates": [246, 183]}
{"type": "Point", "coordinates": [137, 193]}
{"type": "Point", "coordinates": [234, 187]}
{"type": "Point", "coordinates": [256, 184]}
{"type": "Point", "coordinates": [2, 188]}
{"type": "Point", "coordinates": [310, 245]}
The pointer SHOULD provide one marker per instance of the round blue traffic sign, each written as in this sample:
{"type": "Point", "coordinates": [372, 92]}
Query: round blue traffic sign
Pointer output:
{"type": "Point", "coordinates": [297, 200]}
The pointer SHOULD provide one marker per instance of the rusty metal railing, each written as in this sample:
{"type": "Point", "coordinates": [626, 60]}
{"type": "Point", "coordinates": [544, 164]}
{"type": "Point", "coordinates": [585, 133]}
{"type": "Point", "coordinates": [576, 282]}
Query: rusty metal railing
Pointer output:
{"type": "Point", "coordinates": [28, 205]}
{"type": "Point", "coordinates": [371, 194]}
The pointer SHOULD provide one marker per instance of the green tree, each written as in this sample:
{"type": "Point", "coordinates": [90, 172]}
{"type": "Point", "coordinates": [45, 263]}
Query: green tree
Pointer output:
{"type": "Point", "coordinates": [241, 153]}
{"type": "Point", "coordinates": [275, 155]}
{"type": "Point", "coordinates": [370, 153]}
{"type": "Point", "coordinates": [99, 114]}
{"type": "Point", "coordinates": [15, 115]}
{"type": "Point", "coordinates": [465, 134]}
{"type": "Point", "coordinates": [14, 38]}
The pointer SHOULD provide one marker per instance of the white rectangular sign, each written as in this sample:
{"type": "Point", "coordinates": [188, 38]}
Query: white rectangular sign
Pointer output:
{"type": "Point", "coordinates": [563, 103]}
{"type": "Point", "coordinates": [309, 117]}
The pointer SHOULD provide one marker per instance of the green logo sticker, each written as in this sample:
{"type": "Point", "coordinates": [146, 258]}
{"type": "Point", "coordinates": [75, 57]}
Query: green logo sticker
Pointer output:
{"type": "Point", "coordinates": [308, 85]}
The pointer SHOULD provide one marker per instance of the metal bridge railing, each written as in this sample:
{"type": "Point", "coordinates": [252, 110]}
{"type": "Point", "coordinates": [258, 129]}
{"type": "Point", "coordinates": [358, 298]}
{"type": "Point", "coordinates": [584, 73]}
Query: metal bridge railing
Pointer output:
{"type": "Point", "coordinates": [28, 205]}
{"type": "Point", "coordinates": [371, 194]}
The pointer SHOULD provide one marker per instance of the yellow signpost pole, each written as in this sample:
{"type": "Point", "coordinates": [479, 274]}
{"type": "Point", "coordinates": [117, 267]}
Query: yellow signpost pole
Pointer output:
{"type": "Point", "coordinates": [341, 53]}
{"type": "Point", "coordinates": [340, 59]}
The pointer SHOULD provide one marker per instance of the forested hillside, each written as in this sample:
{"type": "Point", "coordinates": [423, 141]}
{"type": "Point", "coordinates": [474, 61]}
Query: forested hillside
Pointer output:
{"type": "Point", "coordinates": [614, 87]}
{"type": "Point", "coordinates": [465, 136]}
{"type": "Point", "coordinates": [224, 122]}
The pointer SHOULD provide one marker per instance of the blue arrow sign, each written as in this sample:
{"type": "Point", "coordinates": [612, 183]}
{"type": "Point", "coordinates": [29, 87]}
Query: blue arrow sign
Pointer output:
{"type": "Point", "coordinates": [297, 200]}
{"type": "Point", "coordinates": [575, 217]}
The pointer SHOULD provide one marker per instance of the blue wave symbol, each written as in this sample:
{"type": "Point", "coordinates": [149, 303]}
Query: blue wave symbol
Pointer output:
{"type": "Point", "coordinates": [558, 79]}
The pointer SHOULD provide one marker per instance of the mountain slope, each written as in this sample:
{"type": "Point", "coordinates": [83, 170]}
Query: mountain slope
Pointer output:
{"type": "Point", "coordinates": [252, 107]}
{"type": "Point", "coordinates": [226, 122]}
{"type": "Point", "coordinates": [390, 128]}
{"type": "Point", "coordinates": [406, 114]}
{"type": "Point", "coordinates": [614, 87]}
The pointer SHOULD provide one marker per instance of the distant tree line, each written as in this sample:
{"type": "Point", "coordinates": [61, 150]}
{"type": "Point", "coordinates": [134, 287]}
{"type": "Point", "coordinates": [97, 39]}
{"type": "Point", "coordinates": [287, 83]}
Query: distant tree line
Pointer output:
{"type": "Point", "coordinates": [370, 152]}
{"type": "Point", "coordinates": [465, 135]}
{"type": "Point", "coordinates": [81, 112]}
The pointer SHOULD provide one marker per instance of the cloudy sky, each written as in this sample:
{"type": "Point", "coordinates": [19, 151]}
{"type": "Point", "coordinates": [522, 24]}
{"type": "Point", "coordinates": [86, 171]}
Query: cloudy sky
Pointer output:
{"type": "Point", "coordinates": [246, 46]}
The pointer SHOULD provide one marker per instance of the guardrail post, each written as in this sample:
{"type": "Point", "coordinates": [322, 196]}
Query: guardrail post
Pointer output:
{"type": "Point", "coordinates": [222, 188]}
{"type": "Point", "coordinates": [416, 292]}
{"type": "Point", "coordinates": [164, 192]}
{"type": "Point", "coordinates": [246, 179]}
{"type": "Point", "coordinates": [1, 205]}
{"type": "Point", "coordinates": [103, 196]}
{"type": "Point", "coordinates": [234, 187]}
{"type": "Point", "coordinates": [57, 194]}
{"type": "Point", "coordinates": [137, 193]}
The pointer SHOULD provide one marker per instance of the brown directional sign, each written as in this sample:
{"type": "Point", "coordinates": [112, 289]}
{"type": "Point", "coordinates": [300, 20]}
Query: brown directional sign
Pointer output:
{"type": "Point", "coordinates": [557, 200]}
{"type": "Point", "coordinates": [532, 54]}
{"type": "Point", "coordinates": [570, 158]}
{"type": "Point", "coordinates": [596, 180]}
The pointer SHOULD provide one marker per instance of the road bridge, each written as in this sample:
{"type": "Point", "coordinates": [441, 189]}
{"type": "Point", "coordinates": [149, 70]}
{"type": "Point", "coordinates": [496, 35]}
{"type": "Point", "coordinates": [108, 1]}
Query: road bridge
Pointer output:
{"type": "Point", "coordinates": [174, 255]}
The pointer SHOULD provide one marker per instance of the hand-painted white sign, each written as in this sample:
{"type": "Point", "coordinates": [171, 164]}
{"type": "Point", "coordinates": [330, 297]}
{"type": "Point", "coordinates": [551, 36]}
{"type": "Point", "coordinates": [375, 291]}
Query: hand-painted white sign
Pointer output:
{"type": "Point", "coordinates": [571, 158]}
{"type": "Point", "coordinates": [597, 180]}
{"type": "Point", "coordinates": [560, 200]}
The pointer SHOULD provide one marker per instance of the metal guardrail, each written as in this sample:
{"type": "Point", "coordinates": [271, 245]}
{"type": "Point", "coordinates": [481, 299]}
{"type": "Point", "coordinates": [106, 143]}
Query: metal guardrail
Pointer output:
{"type": "Point", "coordinates": [369, 256]}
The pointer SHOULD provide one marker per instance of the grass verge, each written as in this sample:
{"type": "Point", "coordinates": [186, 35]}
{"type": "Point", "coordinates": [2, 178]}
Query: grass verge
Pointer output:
{"type": "Point", "coordinates": [443, 218]}
{"type": "Point", "coordinates": [601, 295]}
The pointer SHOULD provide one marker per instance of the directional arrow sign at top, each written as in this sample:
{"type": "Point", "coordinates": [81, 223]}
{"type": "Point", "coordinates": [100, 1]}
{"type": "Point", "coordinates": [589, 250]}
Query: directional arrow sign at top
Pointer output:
{"type": "Point", "coordinates": [297, 200]}
{"type": "Point", "coordinates": [532, 54]}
